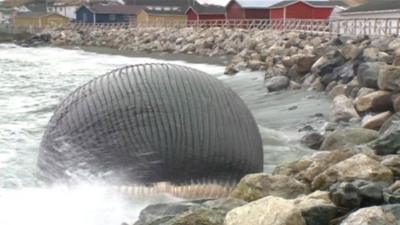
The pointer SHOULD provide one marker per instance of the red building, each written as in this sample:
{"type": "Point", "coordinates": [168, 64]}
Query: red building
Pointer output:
{"type": "Point", "coordinates": [300, 9]}
{"type": "Point", "coordinates": [245, 9]}
{"type": "Point", "coordinates": [199, 12]}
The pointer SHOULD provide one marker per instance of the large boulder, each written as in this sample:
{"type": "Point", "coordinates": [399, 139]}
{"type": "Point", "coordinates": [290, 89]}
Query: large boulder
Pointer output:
{"type": "Point", "coordinates": [373, 54]}
{"type": "Point", "coordinates": [389, 78]}
{"type": "Point", "coordinates": [388, 141]}
{"type": "Point", "coordinates": [163, 212]}
{"type": "Point", "coordinates": [277, 83]}
{"type": "Point", "coordinates": [342, 109]}
{"type": "Point", "coordinates": [337, 90]}
{"type": "Point", "coordinates": [367, 74]}
{"type": "Point", "coordinates": [375, 215]}
{"type": "Point", "coordinates": [358, 167]}
{"type": "Point", "coordinates": [345, 73]}
{"type": "Point", "coordinates": [378, 101]}
{"type": "Point", "coordinates": [307, 168]}
{"type": "Point", "coordinates": [376, 122]}
{"type": "Point", "coordinates": [391, 194]}
{"type": "Point", "coordinates": [312, 140]}
{"type": "Point", "coordinates": [266, 211]}
{"type": "Point", "coordinates": [392, 162]}
{"type": "Point", "coordinates": [203, 212]}
{"type": "Point", "coordinates": [350, 51]}
{"type": "Point", "coordinates": [317, 208]}
{"type": "Point", "coordinates": [359, 193]}
{"type": "Point", "coordinates": [348, 137]}
{"type": "Point", "coordinates": [256, 186]}
{"type": "Point", "coordinates": [304, 64]}
{"type": "Point", "coordinates": [364, 91]}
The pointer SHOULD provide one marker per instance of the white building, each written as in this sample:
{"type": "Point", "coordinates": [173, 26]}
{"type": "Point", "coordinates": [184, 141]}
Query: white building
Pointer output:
{"type": "Point", "coordinates": [379, 17]}
{"type": "Point", "coordinates": [64, 9]}
{"type": "Point", "coordinates": [374, 9]}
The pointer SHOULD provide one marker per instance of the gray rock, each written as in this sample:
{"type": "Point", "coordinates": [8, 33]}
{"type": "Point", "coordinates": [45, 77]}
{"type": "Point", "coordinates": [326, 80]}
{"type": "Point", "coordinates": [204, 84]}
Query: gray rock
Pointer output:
{"type": "Point", "coordinates": [388, 141]}
{"type": "Point", "coordinates": [389, 78]}
{"type": "Point", "coordinates": [255, 186]}
{"type": "Point", "coordinates": [371, 192]}
{"type": "Point", "coordinates": [345, 72]}
{"type": "Point", "coordinates": [350, 51]}
{"type": "Point", "coordinates": [393, 209]}
{"type": "Point", "coordinates": [348, 137]}
{"type": "Point", "coordinates": [368, 73]}
{"type": "Point", "coordinates": [312, 140]}
{"type": "Point", "coordinates": [330, 86]}
{"type": "Point", "coordinates": [225, 204]}
{"type": "Point", "coordinates": [316, 208]}
{"type": "Point", "coordinates": [393, 163]}
{"type": "Point", "coordinates": [376, 215]}
{"type": "Point", "coordinates": [345, 195]}
{"type": "Point", "coordinates": [392, 194]}
{"type": "Point", "coordinates": [339, 89]}
{"type": "Point", "coordinates": [154, 214]}
{"type": "Point", "coordinates": [326, 70]}
{"type": "Point", "coordinates": [342, 109]}
{"type": "Point", "coordinates": [277, 83]}
{"type": "Point", "coordinates": [304, 64]}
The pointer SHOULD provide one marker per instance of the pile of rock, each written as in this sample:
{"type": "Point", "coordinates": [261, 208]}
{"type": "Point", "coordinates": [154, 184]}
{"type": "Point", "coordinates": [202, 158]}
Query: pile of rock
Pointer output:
{"type": "Point", "coordinates": [343, 186]}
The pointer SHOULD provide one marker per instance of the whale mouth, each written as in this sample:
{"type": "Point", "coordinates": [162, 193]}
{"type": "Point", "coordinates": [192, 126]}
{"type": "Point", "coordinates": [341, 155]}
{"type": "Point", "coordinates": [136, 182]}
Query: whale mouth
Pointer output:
{"type": "Point", "coordinates": [195, 190]}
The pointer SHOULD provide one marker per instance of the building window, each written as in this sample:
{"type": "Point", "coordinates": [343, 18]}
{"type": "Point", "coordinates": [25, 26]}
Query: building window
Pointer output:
{"type": "Point", "coordinates": [112, 17]}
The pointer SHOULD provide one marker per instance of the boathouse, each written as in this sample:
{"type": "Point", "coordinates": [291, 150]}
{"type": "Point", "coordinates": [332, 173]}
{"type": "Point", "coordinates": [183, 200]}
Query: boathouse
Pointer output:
{"type": "Point", "coordinates": [159, 17]}
{"type": "Point", "coordinates": [300, 9]}
{"type": "Point", "coordinates": [107, 13]}
{"type": "Point", "coordinates": [247, 9]}
{"type": "Point", "coordinates": [39, 19]}
{"type": "Point", "coordinates": [201, 12]}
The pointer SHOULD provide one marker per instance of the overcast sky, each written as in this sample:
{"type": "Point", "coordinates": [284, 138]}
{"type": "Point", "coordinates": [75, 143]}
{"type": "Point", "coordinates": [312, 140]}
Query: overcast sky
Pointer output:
{"type": "Point", "coordinates": [224, 2]}
{"type": "Point", "coordinates": [221, 2]}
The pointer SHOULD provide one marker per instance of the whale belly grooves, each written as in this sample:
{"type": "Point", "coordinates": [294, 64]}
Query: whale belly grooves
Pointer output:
{"type": "Point", "coordinates": [151, 123]}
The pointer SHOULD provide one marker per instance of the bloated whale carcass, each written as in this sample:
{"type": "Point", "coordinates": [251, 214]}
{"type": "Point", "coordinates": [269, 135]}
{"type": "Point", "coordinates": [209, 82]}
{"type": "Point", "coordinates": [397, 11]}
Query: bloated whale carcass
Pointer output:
{"type": "Point", "coordinates": [151, 123]}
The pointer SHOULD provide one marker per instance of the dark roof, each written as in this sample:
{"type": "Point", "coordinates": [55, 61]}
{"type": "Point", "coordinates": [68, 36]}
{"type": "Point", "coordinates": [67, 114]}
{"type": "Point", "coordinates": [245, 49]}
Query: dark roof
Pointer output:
{"type": "Point", "coordinates": [164, 11]}
{"type": "Point", "coordinates": [114, 9]}
{"type": "Point", "coordinates": [179, 3]}
{"type": "Point", "coordinates": [313, 3]}
{"type": "Point", "coordinates": [36, 14]}
{"type": "Point", "coordinates": [36, 7]}
{"type": "Point", "coordinates": [208, 9]}
{"type": "Point", "coordinates": [375, 6]}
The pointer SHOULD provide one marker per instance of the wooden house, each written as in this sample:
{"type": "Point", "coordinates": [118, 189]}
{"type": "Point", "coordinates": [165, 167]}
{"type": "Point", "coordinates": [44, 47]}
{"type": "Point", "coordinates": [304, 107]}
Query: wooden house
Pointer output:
{"type": "Point", "coordinates": [158, 17]}
{"type": "Point", "coordinates": [199, 12]}
{"type": "Point", "coordinates": [39, 19]}
{"type": "Point", "coordinates": [107, 13]}
{"type": "Point", "coordinates": [300, 9]}
{"type": "Point", "coordinates": [247, 9]}
{"type": "Point", "coordinates": [374, 10]}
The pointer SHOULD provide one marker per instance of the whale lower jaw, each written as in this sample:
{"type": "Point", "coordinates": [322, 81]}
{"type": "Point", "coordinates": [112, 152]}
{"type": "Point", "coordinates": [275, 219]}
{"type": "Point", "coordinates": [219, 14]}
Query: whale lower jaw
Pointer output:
{"type": "Point", "coordinates": [189, 191]}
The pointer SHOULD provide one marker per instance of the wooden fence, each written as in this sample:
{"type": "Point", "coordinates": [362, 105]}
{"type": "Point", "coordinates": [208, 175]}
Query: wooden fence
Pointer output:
{"type": "Point", "coordinates": [370, 26]}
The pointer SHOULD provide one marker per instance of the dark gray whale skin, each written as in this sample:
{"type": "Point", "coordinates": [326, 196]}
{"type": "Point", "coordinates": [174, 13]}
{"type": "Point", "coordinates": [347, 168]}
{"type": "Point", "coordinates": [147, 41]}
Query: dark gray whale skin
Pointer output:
{"type": "Point", "coordinates": [151, 123]}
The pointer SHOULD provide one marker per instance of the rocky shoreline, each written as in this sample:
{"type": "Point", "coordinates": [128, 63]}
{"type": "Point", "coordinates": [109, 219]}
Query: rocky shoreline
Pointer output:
{"type": "Point", "coordinates": [353, 176]}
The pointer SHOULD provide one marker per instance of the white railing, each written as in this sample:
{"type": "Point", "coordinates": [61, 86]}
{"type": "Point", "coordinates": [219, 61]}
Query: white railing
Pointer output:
{"type": "Point", "coordinates": [370, 26]}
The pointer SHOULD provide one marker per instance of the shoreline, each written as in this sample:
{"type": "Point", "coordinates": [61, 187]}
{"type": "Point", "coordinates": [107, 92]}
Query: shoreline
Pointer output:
{"type": "Point", "coordinates": [352, 177]}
